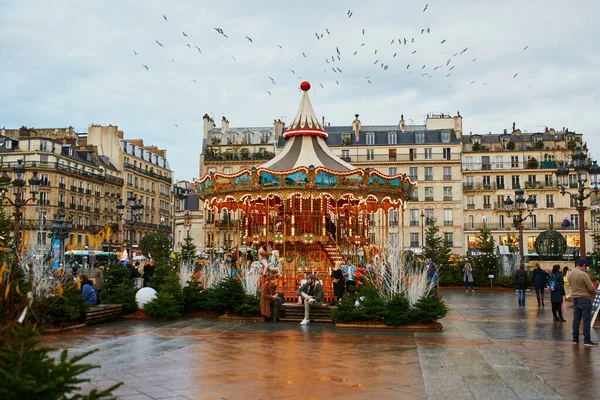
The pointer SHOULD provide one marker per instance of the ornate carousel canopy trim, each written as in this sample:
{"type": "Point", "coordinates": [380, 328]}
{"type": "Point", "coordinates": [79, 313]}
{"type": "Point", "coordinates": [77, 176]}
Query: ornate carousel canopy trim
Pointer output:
{"type": "Point", "coordinates": [306, 122]}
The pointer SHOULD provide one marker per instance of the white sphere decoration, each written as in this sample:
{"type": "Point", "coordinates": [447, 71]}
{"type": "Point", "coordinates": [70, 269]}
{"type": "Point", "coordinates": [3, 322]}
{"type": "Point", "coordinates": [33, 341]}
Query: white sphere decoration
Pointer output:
{"type": "Point", "coordinates": [144, 295]}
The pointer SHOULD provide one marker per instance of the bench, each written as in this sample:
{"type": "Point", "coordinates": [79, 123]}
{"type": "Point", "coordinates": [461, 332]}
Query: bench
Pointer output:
{"type": "Point", "coordinates": [103, 313]}
{"type": "Point", "coordinates": [294, 312]}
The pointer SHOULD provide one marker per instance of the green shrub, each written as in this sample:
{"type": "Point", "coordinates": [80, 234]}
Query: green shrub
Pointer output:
{"type": "Point", "coordinates": [164, 305]}
{"type": "Point", "coordinates": [371, 306]}
{"type": "Point", "coordinates": [159, 276]}
{"type": "Point", "coordinates": [451, 275]}
{"type": "Point", "coordinates": [250, 307]}
{"type": "Point", "coordinates": [172, 286]}
{"type": "Point", "coordinates": [225, 296]}
{"type": "Point", "coordinates": [505, 281]}
{"type": "Point", "coordinates": [428, 309]}
{"type": "Point", "coordinates": [119, 288]}
{"type": "Point", "coordinates": [68, 309]}
{"type": "Point", "coordinates": [194, 297]}
{"type": "Point", "coordinates": [397, 311]}
{"type": "Point", "coordinates": [28, 372]}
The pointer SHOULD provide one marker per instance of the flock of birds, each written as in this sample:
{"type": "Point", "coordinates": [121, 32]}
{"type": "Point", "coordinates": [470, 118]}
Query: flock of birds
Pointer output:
{"type": "Point", "coordinates": [381, 55]}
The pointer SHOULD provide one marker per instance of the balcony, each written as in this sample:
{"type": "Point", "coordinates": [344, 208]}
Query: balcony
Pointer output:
{"type": "Point", "coordinates": [548, 165]}
{"type": "Point", "coordinates": [73, 188]}
{"type": "Point", "coordinates": [448, 223]}
{"type": "Point", "coordinates": [88, 191]}
{"type": "Point", "coordinates": [150, 174]}
{"type": "Point", "coordinates": [447, 177]}
{"type": "Point", "coordinates": [96, 210]}
{"type": "Point", "coordinates": [486, 166]}
{"type": "Point", "coordinates": [80, 207]}
{"type": "Point", "coordinates": [45, 183]}
{"type": "Point", "coordinates": [447, 198]}
{"type": "Point", "coordinates": [415, 245]}
{"type": "Point", "coordinates": [44, 202]}
{"type": "Point", "coordinates": [72, 206]}
{"type": "Point", "coordinates": [80, 190]}
{"type": "Point", "coordinates": [428, 177]}
{"type": "Point", "coordinates": [97, 194]}
{"type": "Point", "coordinates": [428, 198]}
{"type": "Point", "coordinates": [393, 223]}
{"type": "Point", "coordinates": [61, 203]}
{"type": "Point", "coordinates": [61, 185]}
{"type": "Point", "coordinates": [414, 177]}
{"type": "Point", "coordinates": [487, 206]}
{"type": "Point", "coordinates": [87, 208]}
{"type": "Point", "coordinates": [470, 206]}
{"type": "Point", "coordinates": [414, 223]}
{"type": "Point", "coordinates": [450, 243]}
{"type": "Point", "coordinates": [550, 205]}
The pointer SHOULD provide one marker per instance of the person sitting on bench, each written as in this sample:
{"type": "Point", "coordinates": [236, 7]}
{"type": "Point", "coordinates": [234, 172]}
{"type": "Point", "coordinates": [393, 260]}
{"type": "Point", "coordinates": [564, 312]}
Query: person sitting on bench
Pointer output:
{"type": "Point", "coordinates": [312, 294]}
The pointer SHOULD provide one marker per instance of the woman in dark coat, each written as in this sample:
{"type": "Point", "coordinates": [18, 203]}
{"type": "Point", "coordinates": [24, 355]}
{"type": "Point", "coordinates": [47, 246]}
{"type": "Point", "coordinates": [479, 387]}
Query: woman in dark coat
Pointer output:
{"type": "Point", "coordinates": [539, 278]}
{"type": "Point", "coordinates": [522, 283]}
{"type": "Point", "coordinates": [269, 298]}
{"type": "Point", "coordinates": [338, 280]}
{"type": "Point", "coordinates": [556, 284]}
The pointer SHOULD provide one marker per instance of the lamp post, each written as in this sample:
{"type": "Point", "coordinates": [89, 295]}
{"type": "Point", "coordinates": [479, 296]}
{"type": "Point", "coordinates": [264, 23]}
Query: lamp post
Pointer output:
{"type": "Point", "coordinates": [136, 208]}
{"type": "Point", "coordinates": [18, 184]}
{"type": "Point", "coordinates": [520, 210]}
{"type": "Point", "coordinates": [60, 230]}
{"type": "Point", "coordinates": [423, 231]}
{"type": "Point", "coordinates": [584, 172]}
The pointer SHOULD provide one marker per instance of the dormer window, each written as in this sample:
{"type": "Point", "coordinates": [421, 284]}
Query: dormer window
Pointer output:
{"type": "Point", "coordinates": [247, 139]}
{"type": "Point", "coordinates": [420, 137]}
{"type": "Point", "coordinates": [346, 138]}
{"type": "Point", "coordinates": [264, 137]}
{"type": "Point", "coordinates": [392, 138]}
{"type": "Point", "coordinates": [445, 136]}
{"type": "Point", "coordinates": [476, 140]}
{"type": "Point", "coordinates": [370, 138]}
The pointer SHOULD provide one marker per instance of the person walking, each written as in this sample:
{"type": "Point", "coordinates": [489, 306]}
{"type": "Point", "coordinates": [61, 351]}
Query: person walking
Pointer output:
{"type": "Point", "coordinates": [337, 277]}
{"type": "Point", "coordinates": [522, 282]}
{"type": "Point", "coordinates": [540, 279]}
{"type": "Point", "coordinates": [556, 285]}
{"type": "Point", "coordinates": [581, 290]}
{"type": "Point", "coordinates": [468, 277]}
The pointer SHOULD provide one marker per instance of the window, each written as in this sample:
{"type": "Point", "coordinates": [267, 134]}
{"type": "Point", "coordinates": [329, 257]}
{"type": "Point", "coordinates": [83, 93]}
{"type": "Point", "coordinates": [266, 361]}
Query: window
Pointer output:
{"type": "Point", "coordinates": [414, 217]}
{"type": "Point", "coordinates": [392, 137]}
{"type": "Point", "coordinates": [500, 182]}
{"type": "Point", "coordinates": [533, 220]}
{"type": "Point", "coordinates": [445, 137]}
{"type": "Point", "coordinates": [428, 193]}
{"type": "Point", "coordinates": [414, 239]}
{"type": "Point", "coordinates": [468, 163]}
{"type": "Point", "coordinates": [516, 182]}
{"type": "Point", "coordinates": [370, 155]}
{"type": "Point", "coordinates": [227, 170]}
{"type": "Point", "coordinates": [549, 201]}
{"type": "Point", "coordinates": [573, 202]}
{"type": "Point", "coordinates": [413, 173]}
{"type": "Point", "coordinates": [429, 218]}
{"type": "Point", "coordinates": [500, 202]}
{"type": "Point", "coordinates": [346, 155]}
{"type": "Point", "coordinates": [447, 193]}
{"type": "Point", "coordinates": [487, 202]}
{"type": "Point", "coordinates": [412, 154]}
{"type": "Point", "coordinates": [447, 217]}
{"type": "Point", "coordinates": [41, 238]}
{"type": "Point", "coordinates": [392, 154]}
{"type": "Point", "coordinates": [514, 161]}
{"type": "Point", "coordinates": [393, 218]}
{"type": "Point", "coordinates": [428, 154]}
{"type": "Point", "coordinates": [499, 162]}
{"type": "Point", "coordinates": [446, 153]}
{"type": "Point", "coordinates": [420, 137]}
{"type": "Point", "coordinates": [501, 221]}
{"type": "Point", "coordinates": [470, 202]}
{"type": "Point", "coordinates": [573, 181]}
{"type": "Point", "coordinates": [575, 221]}
{"type": "Point", "coordinates": [550, 221]}
{"type": "Point", "coordinates": [548, 180]}
{"type": "Point", "coordinates": [449, 238]}
{"type": "Point", "coordinates": [471, 222]}
{"type": "Point", "coordinates": [415, 195]}
{"type": "Point", "coordinates": [370, 138]}
{"type": "Point", "coordinates": [428, 173]}
{"type": "Point", "coordinates": [447, 173]}
{"type": "Point", "coordinates": [392, 171]}
{"type": "Point", "coordinates": [486, 181]}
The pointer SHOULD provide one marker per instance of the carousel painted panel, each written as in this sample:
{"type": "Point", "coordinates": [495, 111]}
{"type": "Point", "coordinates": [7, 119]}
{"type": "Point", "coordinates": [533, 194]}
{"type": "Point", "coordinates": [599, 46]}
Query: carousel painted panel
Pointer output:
{"type": "Point", "coordinates": [269, 181]}
{"type": "Point", "coordinates": [243, 182]}
{"type": "Point", "coordinates": [296, 180]}
{"type": "Point", "coordinates": [324, 180]}
{"type": "Point", "coordinates": [351, 181]}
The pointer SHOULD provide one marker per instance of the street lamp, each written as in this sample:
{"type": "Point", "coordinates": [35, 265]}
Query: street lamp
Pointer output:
{"type": "Point", "coordinates": [18, 184]}
{"type": "Point", "coordinates": [60, 230]}
{"type": "Point", "coordinates": [422, 230]}
{"type": "Point", "coordinates": [136, 209]}
{"type": "Point", "coordinates": [520, 210]}
{"type": "Point", "coordinates": [584, 172]}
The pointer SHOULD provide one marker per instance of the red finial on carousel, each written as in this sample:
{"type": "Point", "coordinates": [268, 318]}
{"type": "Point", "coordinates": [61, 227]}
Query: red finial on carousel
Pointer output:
{"type": "Point", "coordinates": [305, 86]}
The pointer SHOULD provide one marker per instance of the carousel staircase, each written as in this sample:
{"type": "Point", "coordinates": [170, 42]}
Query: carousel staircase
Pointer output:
{"type": "Point", "coordinates": [294, 312]}
{"type": "Point", "coordinates": [332, 251]}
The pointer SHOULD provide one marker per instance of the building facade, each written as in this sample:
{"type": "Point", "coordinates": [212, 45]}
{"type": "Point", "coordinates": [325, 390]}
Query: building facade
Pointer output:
{"type": "Point", "coordinates": [76, 182]}
{"type": "Point", "coordinates": [188, 216]}
{"type": "Point", "coordinates": [494, 165]}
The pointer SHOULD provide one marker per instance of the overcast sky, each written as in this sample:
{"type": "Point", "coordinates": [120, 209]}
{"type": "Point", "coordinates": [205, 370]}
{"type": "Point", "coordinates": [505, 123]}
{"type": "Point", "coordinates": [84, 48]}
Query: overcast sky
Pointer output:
{"type": "Point", "coordinates": [66, 62]}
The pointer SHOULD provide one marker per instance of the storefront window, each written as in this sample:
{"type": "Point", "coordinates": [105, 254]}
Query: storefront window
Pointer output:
{"type": "Point", "coordinates": [572, 241]}
{"type": "Point", "coordinates": [531, 243]}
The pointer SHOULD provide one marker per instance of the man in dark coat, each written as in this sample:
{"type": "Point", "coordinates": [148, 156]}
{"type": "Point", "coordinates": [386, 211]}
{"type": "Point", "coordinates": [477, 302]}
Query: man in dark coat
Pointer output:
{"type": "Point", "coordinates": [522, 282]}
{"type": "Point", "coordinates": [540, 279]}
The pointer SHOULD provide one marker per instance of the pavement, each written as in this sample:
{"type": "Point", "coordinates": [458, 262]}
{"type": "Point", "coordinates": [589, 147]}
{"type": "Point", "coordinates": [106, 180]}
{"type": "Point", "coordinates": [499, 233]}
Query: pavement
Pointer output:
{"type": "Point", "coordinates": [490, 349]}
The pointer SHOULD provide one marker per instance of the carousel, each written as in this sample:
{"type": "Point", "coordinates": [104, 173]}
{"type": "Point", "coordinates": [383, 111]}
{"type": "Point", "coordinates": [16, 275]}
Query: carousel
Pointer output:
{"type": "Point", "coordinates": [307, 207]}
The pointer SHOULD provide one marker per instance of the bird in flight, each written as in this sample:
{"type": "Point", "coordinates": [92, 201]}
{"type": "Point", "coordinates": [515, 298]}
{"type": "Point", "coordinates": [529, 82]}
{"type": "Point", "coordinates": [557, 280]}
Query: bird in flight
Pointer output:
{"type": "Point", "coordinates": [436, 68]}
{"type": "Point", "coordinates": [475, 59]}
{"type": "Point", "coordinates": [327, 30]}
{"type": "Point", "coordinates": [293, 71]}
{"type": "Point", "coordinates": [465, 49]}
{"type": "Point", "coordinates": [334, 71]}
{"type": "Point", "coordinates": [234, 59]}
{"type": "Point", "coordinates": [321, 86]}
{"type": "Point", "coordinates": [404, 40]}
{"type": "Point", "coordinates": [269, 93]}
{"type": "Point", "coordinates": [165, 17]}
{"type": "Point", "coordinates": [375, 51]}
{"type": "Point", "coordinates": [425, 74]}
{"type": "Point", "coordinates": [339, 70]}
{"type": "Point", "coordinates": [337, 82]}
{"type": "Point", "coordinates": [515, 75]}
{"type": "Point", "coordinates": [280, 46]}
{"type": "Point", "coordinates": [376, 62]}
{"type": "Point", "coordinates": [392, 41]}
{"type": "Point", "coordinates": [339, 59]}
{"type": "Point", "coordinates": [188, 45]}
{"type": "Point", "coordinates": [422, 31]}
{"type": "Point", "coordinates": [193, 80]}
{"type": "Point", "coordinates": [338, 50]}
{"type": "Point", "coordinates": [135, 52]}
{"type": "Point", "coordinates": [221, 32]}
{"type": "Point", "coordinates": [251, 41]}
{"type": "Point", "coordinates": [368, 81]}
{"type": "Point", "coordinates": [408, 66]}
{"type": "Point", "coordinates": [363, 31]}
{"type": "Point", "coordinates": [413, 40]}
{"type": "Point", "coordinates": [317, 35]}
{"type": "Point", "coordinates": [304, 55]}
{"type": "Point", "coordinates": [525, 48]}
{"type": "Point", "coordinates": [452, 68]}
{"type": "Point", "coordinates": [428, 30]}
{"type": "Point", "coordinates": [414, 52]}
{"type": "Point", "coordinates": [449, 74]}
{"type": "Point", "coordinates": [355, 52]}
{"type": "Point", "coordinates": [423, 67]}
{"type": "Point", "coordinates": [426, 6]}
{"type": "Point", "coordinates": [472, 82]}
{"type": "Point", "coordinates": [198, 48]}
{"type": "Point", "coordinates": [362, 44]}
{"type": "Point", "coordinates": [145, 66]}
{"type": "Point", "coordinates": [443, 41]}
{"type": "Point", "coordinates": [175, 125]}
{"type": "Point", "coordinates": [184, 34]}
{"type": "Point", "coordinates": [394, 55]}
{"type": "Point", "coordinates": [159, 43]}
{"type": "Point", "coordinates": [327, 60]}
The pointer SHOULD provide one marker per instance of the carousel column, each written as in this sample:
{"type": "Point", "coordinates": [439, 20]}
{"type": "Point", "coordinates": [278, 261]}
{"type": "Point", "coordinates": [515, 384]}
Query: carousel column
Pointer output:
{"type": "Point", "coordinates": [387, 229]}
{"type": "Point", "coordinates": [401, 210]}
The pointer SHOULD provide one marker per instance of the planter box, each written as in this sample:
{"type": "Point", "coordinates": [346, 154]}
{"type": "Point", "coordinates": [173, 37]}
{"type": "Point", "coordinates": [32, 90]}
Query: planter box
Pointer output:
{"type": "Point", "coordinates": [241, 318]}
{"type": "Point", "coordinates": [374, 325]}
{"type": "Point", "coordinates": [64, 328]}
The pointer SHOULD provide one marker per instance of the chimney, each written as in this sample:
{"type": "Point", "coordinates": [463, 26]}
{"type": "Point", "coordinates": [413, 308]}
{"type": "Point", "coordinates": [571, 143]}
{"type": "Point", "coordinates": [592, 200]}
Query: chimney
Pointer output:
{"type": "Point", "coordinates": [402, 124]}
{"type": "Point", "coordinates": [277, 129]}
{"type": "Point", "coordinates": [514, 127]}
{"type": "Point", "coordinates": [209, 124]}
{"type": "Point", "coordinates": [356, 127]}
{"type": "Point", "coordinates": [458, 124]}
{"type": "Point", "coordinates": [224, 125]}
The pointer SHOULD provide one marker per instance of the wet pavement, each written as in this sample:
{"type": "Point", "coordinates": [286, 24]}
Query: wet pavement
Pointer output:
{"type": "Point", "coordinates": [490, 349]}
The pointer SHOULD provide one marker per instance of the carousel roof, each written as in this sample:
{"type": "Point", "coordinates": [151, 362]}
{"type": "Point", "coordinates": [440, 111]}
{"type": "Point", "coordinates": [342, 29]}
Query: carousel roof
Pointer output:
{"type": "Point", "coordinates": [306, 142]}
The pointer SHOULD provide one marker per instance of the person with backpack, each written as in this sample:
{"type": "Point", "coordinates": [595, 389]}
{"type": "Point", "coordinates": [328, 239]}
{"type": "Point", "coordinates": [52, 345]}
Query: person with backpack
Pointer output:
{"type": "Point", "coordinates": [556, 286]}
{"type": "Point", "coordinates": [540, 279]}
{"type": "Point", "coordinates": [88, 291]}
{"type": "Point", "coordinates": [522, 282]}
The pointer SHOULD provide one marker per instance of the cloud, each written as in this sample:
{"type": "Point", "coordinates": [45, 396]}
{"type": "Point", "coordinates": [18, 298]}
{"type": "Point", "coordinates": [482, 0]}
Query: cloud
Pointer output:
{"type": "Point", "coordinates": [72, 63]}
